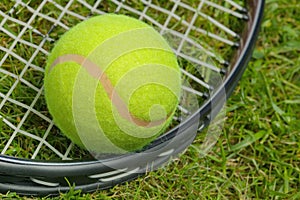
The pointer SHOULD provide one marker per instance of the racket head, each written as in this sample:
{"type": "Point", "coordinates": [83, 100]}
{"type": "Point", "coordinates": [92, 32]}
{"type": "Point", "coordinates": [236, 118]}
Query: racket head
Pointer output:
{"type": "Point", "coordinates": [38, 177]}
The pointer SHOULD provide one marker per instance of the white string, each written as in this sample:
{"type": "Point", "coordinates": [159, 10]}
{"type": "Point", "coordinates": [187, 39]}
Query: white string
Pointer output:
{"type": "Point", "coordinates": [7, 17]}
{"type": "Point", "coordinates": [19, 58]}
{"type": "Point", "coordinates": [30, 108]}
{"type": "Point", "coordinates": [224, 9]}
{"type": "Point", "coordinates": [236, 5]}
{"type": "Point", "coordinates": [191, 90]}
{"type": "Point", "coordinates": [46, 17]}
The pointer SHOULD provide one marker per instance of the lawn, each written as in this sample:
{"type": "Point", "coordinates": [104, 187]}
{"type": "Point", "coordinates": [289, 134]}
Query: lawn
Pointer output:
{"type": "Point", "coordinates": [258, 154]}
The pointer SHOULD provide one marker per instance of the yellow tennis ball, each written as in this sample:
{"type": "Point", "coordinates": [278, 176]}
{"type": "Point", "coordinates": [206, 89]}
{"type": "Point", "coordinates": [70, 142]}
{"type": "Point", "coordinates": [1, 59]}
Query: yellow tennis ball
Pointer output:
{"type": "Point", "coordinates": [112, 84]}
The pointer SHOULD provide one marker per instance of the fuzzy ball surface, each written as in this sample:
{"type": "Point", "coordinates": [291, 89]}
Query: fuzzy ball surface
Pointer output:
{"type": "Point", "coordinates": [112, 84]}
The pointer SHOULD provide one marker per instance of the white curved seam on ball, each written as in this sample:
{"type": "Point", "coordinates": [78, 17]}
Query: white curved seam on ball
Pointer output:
{"type": "Point", "coordinates": [141, 44]}
{"type": "Point", "coordinates": [95, 71]}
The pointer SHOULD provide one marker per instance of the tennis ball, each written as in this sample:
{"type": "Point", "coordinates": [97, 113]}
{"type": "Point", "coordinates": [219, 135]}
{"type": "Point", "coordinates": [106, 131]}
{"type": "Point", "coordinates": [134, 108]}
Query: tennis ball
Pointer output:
{"type": "Point", "coordinates": [112, 84]}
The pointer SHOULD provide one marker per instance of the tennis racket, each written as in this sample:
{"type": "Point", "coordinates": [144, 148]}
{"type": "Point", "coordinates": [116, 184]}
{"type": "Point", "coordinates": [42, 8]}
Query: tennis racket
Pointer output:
{"type": "Point", "coordinates": [212, 39]}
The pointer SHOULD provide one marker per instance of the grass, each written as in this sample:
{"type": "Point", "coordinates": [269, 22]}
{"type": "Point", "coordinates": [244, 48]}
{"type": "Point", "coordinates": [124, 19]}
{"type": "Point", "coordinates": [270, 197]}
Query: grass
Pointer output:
{"type": "Point", "coordinates": [258, 154]}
